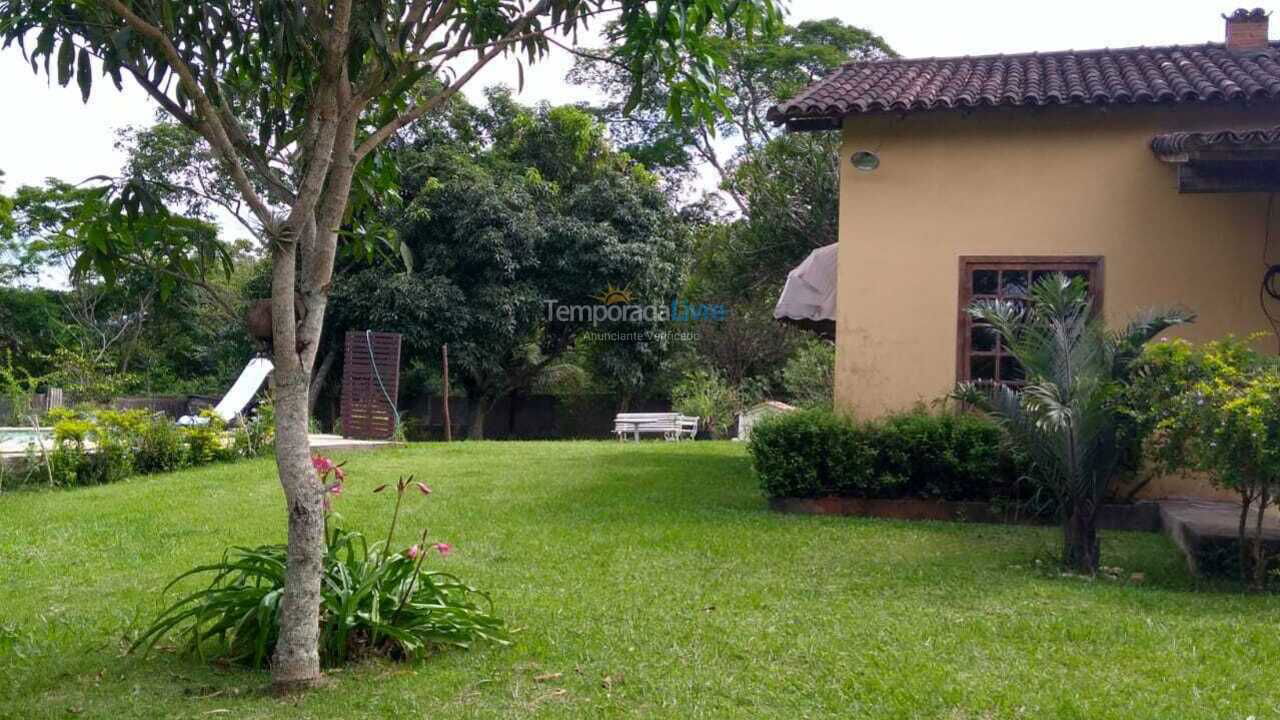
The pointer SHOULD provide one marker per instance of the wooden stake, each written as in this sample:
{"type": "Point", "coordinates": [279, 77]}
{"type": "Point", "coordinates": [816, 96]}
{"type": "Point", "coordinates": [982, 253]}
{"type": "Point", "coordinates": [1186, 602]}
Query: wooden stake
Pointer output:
{"type": "Point", "coordinates": [448, 427]}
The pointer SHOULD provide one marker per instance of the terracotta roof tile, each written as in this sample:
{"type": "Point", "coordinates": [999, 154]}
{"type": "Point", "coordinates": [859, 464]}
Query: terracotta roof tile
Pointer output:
{"type": "Point", "coordinates": [1175, 74]}
{"type": "Point", "coordinates": [1177, 143]}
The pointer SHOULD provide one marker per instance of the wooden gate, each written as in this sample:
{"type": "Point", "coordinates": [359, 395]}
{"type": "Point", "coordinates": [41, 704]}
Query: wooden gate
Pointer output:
{"type": "Point", "coordinates": [370, 385]}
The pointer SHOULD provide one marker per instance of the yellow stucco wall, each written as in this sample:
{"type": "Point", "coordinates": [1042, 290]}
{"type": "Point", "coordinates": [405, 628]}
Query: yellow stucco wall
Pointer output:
{"type": "Point", "coordinates": [1051, 182]}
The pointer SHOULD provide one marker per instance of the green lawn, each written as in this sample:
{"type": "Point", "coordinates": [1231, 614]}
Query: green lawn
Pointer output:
{"type": "Point", "coordinates": [645, 581]}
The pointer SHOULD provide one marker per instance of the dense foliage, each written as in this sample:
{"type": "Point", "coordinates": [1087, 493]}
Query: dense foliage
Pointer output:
{"type": "Point", "coordinates": [1068, 417]}
{"type": "Point", "coordinates": [706, 395]}
{"type": "Point", "coordinates": [809, 377]}
{"type": "Point", "coordinates": [374, 601]}
{"type": "Point", "coordinates": [817, 453]}
{"type": "Point", "coordinates": [533, 208]}
{"type": "Point", "coordinates": [1215, 408]}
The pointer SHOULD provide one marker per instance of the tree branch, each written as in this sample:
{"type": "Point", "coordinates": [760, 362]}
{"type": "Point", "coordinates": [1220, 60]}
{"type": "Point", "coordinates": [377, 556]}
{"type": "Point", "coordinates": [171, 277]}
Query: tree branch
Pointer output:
{"type": "Point", "coordinates": [381, 134]}
{"type": "Point", "coordinates": [210, 124]}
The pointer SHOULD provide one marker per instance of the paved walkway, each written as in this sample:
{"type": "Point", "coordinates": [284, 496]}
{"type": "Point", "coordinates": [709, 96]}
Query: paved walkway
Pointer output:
{"type": "Point", "coordinates": [338, 443]}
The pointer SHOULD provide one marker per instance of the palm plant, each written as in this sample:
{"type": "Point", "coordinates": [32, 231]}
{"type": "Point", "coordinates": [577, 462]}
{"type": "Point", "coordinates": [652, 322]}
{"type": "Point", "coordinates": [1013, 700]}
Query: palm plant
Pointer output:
{"type": "Point", "coordinates": [1066, 415]}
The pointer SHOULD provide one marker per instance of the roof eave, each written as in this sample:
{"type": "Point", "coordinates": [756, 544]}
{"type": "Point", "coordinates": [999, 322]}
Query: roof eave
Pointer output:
{"type": "Point", "coordinates": [813, 124]}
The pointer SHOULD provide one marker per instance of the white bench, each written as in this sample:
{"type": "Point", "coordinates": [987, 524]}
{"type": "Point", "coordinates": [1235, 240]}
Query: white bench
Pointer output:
{"type": "Point", "coordinates": [673, 426]}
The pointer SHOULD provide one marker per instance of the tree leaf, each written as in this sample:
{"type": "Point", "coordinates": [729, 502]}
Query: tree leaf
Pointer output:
{"type": "Point", "coordinates": [84, 74]}
{"type": "Point", "coordinates": [66, 61]}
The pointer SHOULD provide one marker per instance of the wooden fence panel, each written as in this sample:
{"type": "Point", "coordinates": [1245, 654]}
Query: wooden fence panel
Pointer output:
{"type": "Point", "coordinates": [370, 377]}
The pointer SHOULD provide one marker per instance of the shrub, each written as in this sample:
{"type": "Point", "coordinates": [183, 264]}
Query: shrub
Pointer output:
{"type": "Point", "coordinates": [373, 601]}
{"type": "Point", "coordinates": [256, 436]}
{"type": "Point", "coordinates": [1213, 408]}
{"type": "Point", "coordinates": [812, 453]}
{"type": "Point", "coordinates": [72, 463]}
{"type": "Point", "coordinates": [108, 446]}
{"type": "Point", "coordinates": [809, 376]}
{"type": "Point", "coordinates": [160, 447]}
{"type": "Point", "coordinates": [90, 379]}
{"type": "Point", "coordinates": [953, 457]}
{"type": "Point", "coordinates": [205, 442]}
{"type": "Point", "coordinates": [705, 393]}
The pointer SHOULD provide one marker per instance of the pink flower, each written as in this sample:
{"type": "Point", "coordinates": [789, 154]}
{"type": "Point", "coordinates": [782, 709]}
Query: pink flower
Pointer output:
{"type": "Point", "coordinates": [413, 552]}
{"type": "Point", "coordinates": [334, 489]}
{"type": "Point", "coordinates": [422, 487]}
{"type": "Point", "coordinates": [443, 548]}
{"type": "Point", "coordinates": [323, 466]}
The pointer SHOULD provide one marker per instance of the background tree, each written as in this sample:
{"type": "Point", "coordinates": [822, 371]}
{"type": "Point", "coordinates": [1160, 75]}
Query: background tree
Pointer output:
{"type": "Point", "coordinates": [9, 269]}
{"type": "Point", "coordinates": [292, 98]}
{"type": "Point", "coordinates": [537, 207]}
{"type": "Point", "coordinates": [757, 75]}
{"type": "Point", "coordinates": [140, 300]}
{"type": "Point", "coordinates": [782, 189]}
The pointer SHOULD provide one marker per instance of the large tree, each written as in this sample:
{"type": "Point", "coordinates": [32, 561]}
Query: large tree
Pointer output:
{"type": "Point", "coordinates": [293, 96]}
{"type": "Point", "coordinates": [535, 207]}
{"type": "Point", "coordinates": [759, 74]}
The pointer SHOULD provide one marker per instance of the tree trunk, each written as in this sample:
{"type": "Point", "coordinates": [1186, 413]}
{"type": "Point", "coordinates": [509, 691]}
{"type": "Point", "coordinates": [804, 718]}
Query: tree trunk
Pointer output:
{"type": "Point", "coordinates": [1246, 501]}
{"type": "Point", "coordinates": [479, 411]}
{"type": "Point", "coordinates": [1080, 550]}
{"type": "Point", "coordinates": [296, 662]}
{"type": "Point", "coordinates": [1259, 547]}
{"type": "Point", "coordinates": [317, 383]}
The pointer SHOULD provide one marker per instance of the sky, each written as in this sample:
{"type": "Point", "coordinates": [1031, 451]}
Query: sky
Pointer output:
{"type": "Point", "coordinates": [45, 130]}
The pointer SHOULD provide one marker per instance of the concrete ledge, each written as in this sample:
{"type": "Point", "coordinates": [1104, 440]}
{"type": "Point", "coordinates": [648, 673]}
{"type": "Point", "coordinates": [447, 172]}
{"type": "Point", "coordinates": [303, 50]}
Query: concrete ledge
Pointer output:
{"type": "Point", "coordinates": [1141, 516]}
{"type": "Point", "coordinates": [1207, 531]}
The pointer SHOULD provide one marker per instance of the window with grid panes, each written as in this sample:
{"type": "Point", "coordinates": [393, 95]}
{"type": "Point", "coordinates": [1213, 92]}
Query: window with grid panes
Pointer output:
{"type": "Point", "coordinates": [979, 353]}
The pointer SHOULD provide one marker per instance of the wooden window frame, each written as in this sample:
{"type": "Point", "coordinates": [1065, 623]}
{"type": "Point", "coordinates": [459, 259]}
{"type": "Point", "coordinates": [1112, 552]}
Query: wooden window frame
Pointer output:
{"type": "Point", "coordinates": [1094, 264]}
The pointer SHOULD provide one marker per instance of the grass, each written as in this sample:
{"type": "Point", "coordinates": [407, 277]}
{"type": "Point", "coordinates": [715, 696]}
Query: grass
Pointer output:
{"type": "Point", "coordinates": [646, 581]}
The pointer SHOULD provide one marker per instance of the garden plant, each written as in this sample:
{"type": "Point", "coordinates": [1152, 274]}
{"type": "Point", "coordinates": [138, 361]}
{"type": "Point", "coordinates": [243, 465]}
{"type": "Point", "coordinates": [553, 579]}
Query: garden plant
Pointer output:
{"type": "Point", "coordinates": [373, 601]}
{"type": "Point", "coordinates": [1215, 408]}
{"type": "Point", "coordinates": [1068, 417]}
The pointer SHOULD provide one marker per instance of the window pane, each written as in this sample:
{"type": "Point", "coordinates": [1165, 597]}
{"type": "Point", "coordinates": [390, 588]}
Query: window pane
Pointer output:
{"type": "Point", "coordinates": [1010, 369]}
{"type": "Point", "coordinates": [1037, 275]}
{"type": "Point", "coordinates": [985, 282]}
{"type": "Point", "coordinates": [1082, 274]}
{"type": "Point", "coordinates": [982, 367]}
{"type": "Point", "coordinates": [982, 338]}
{"type": "Point", "coordinates": [1013, 283]}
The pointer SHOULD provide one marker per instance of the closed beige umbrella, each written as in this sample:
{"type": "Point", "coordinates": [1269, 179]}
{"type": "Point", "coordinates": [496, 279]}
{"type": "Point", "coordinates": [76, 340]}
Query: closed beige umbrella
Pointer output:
{"type": "Point", "coordinates": [809, 297]}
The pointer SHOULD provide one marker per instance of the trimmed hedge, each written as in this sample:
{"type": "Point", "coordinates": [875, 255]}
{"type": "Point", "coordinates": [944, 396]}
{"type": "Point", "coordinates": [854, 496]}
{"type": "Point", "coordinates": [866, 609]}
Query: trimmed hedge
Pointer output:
{"type": "Point", "coordinates": [816, 453]}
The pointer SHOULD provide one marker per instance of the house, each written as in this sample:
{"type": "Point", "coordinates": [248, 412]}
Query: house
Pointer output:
{"type": "Point", "coordinates": [1149, 171]}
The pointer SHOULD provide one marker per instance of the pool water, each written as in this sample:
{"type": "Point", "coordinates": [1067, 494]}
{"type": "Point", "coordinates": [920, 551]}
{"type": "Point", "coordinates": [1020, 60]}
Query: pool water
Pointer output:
{"type": "Point", "coordinates": [14, 439]}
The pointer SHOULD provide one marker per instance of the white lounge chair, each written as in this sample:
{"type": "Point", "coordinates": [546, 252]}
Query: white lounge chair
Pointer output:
{"type": "Point", "coordinates": [672, 426]}
{"type": "Point", "coordinates": [240, 394]}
